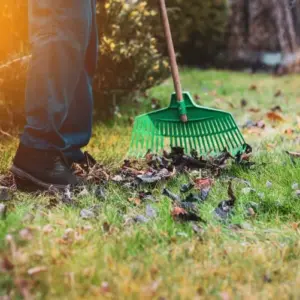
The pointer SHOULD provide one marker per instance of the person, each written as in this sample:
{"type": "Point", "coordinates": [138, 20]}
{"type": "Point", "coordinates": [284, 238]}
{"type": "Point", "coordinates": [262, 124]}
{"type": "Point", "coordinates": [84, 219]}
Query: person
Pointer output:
{"type": "Point", "coordinates": [59, 99]}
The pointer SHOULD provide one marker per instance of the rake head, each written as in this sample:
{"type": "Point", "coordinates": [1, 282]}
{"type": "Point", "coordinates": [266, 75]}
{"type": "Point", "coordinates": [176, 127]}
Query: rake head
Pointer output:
{"type": "Point", "coordinates": [208, 131]}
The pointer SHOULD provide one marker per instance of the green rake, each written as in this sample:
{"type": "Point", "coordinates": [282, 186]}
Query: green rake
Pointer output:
{"type": "Point", "coordinates": [184, 123]}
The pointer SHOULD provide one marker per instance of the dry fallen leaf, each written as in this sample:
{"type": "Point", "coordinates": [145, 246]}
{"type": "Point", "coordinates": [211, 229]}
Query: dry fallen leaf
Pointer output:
{"type": "Point", "coordinates": [47, 228]}
{"type": "Point", "coordinates": [278, 93]}
{"type": "Point", "coordinates": [271, 146]}
{"type": "Point", "coordinates": [253, 87]}
{"type": "Point", "coordinates": [202, 183]}
{"type": "Point", "coordinates": [293, 154]}
{"type": "Point", "coordinates": [254, 110]}
{"type": "Point", "coordinates": [289, 131]}
{"type": "Point", "coordinates": [295, 225]}
{"type": "Point", "coordinates": [135, 201]}
{"type": "Point", "coordinates": [177, 211]}
{"type": "Point", "coordinates": [37, 270]}
{"type": "Point", "coordinates": [274, 117]}
{"type": "Point", "coordinates": [254, 130]}
{"type": "Point", "coordinates": [6, 264]}
{"type": "Point", "coordinates": [196, 97]}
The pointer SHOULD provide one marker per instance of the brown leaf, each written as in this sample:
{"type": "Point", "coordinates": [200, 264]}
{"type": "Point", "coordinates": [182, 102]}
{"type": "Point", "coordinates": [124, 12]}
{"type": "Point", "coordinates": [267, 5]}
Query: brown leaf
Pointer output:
{"type": "Point", "coordinates": [196, 97]}
{"type": "Point", "coordinates": [177, 211]}
{"type": "Point", "coordinates": [135, 201]}
{"type": "Point", "coordinates": [289, 131]}
{"type": "Point", "coordinates": [134, 171]}
{"type": "Point", "coordinates": [106, 227]}
{"type": "Point", "coordinates": [202, 183]}
{"type": "Point", "coordinates": [246, 156]}
{"type": "Point", "coordinates": [274, 117]}
{"type": "Point", "coordinates": [278, 93]}
{"type": "Point", "coordinates": [295, 225]}
{"type": "Point", "coordinates": [276, 108]}
{"type": "Point", "coordinates": [37, 270]}
{"type": "Point", "coordinates": [6, 264]}
{"type": "Point", "coordinates": [253, 87]}
{"type": "Point", "coordinates": [254, 110]}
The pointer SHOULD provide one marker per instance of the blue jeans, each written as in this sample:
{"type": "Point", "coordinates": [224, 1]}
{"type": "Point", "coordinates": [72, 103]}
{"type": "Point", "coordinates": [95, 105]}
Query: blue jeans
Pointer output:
{"type": "Point", "coordinates": [59, 98]}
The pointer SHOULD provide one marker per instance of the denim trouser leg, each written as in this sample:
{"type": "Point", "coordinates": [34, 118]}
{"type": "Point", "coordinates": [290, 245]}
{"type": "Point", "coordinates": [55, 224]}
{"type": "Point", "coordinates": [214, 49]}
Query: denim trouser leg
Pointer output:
{"type": "Point", "coordinates": [59, 87]}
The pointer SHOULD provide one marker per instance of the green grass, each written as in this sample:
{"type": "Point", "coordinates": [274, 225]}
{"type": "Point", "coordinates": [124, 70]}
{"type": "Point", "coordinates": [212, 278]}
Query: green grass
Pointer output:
{"type": "Point", "coordinates": [164, 259]}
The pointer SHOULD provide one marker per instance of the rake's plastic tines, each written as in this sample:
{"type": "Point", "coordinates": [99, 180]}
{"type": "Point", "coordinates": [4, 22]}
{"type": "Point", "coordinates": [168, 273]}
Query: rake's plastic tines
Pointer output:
{"type": "Point", "coordinates": [207, 131]}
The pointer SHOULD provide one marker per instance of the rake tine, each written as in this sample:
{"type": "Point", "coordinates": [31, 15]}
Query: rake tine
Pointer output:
{"type": "Point", "coordinates": [213, 137]}
{"type": "Point", "coordinates": [180, 129]}
{"type": "Point", "coordinates": [218, 139]}
{"type": "Point", "coordinates": [157, 131]}
{"type": "Point", "coordinates": [222, 134]}
{"type": "Point", "coordinates": [195, 137]}
{"type": "Point", "coordinates": [185, 136]}
{"type": "Point", "coordinates": [190, 136]}
{"type": "Point", "coordinates": [207, 137]}
{"type": "Point", "coordinates": [229, 142]}
{"type": "Point", "coordinates": [203, 137]}
{"type": "Point", "coordinates": [147, 129]}
{"type": "Point", "coordinates": [238, 134]}
{"type": "Point", "coordinates": [236, 144]}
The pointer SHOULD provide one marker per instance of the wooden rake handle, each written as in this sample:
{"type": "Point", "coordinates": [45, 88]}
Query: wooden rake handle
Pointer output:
{"type": "Point", "coordinates": [172, 55]}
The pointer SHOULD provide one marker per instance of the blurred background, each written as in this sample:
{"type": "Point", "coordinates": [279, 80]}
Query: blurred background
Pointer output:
{"type": "Point", "coordinates": [244, 35]}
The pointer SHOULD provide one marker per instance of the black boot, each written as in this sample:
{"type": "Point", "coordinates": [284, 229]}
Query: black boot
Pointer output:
{"type": "Point", "coordinates": [43, 168]}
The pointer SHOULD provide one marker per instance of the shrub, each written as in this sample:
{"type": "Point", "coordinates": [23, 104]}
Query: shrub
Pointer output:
{"type": "Point", "coordinates": [129, 56]}
{"type": "Point", "coordinates": [198, 28]}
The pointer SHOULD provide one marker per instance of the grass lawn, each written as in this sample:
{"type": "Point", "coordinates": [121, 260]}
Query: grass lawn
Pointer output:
{"type": "Point", "coordinates": [55, 254]}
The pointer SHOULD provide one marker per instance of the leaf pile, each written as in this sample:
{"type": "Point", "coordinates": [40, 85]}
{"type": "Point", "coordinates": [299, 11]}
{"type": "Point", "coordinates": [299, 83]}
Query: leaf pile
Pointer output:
{"type": "Point", "coordinates": [155, 168]}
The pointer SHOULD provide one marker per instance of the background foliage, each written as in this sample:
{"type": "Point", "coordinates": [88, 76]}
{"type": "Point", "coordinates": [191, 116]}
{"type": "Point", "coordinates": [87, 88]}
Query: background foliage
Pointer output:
{"type": "Point", "coordinates": [199, 29]}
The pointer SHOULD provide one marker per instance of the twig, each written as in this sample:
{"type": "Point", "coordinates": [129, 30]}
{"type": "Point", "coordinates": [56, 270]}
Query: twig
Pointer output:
{"type": "Point", "coordinates": [293, 154]}
{"type": "Point", "coordinates": [6, 133]}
